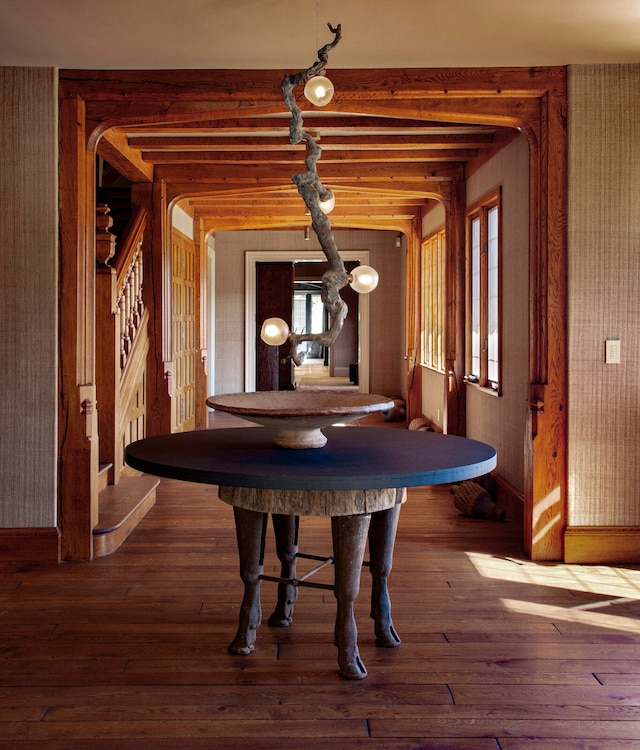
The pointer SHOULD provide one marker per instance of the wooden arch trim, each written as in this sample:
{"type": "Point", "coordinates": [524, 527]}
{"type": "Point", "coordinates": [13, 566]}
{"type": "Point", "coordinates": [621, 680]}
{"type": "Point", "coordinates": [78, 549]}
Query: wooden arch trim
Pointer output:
{"type": "Point", "coordinates": [533, 100]}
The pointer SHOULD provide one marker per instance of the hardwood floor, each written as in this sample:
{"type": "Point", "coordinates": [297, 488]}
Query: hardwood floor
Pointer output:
{"type": "Point", "coordinates": [498, 652]}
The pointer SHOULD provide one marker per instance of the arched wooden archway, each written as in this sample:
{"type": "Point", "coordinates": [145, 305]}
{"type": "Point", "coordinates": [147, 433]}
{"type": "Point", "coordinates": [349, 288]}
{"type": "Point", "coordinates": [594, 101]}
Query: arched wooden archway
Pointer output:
{"type": "Point", "coordinates": [96, 106]}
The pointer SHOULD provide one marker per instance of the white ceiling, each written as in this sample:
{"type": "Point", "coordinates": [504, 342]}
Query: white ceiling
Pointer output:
{"type": "Point", "coordinates": [281, 34]}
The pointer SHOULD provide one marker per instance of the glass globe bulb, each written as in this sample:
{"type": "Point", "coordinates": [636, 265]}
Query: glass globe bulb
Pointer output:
{"type": "Point", "coordinates": [274, 332]}
{"type": "Point", "coordinates": [319, 90]}
{"type": "Point", "coordinates": [328, 205]}
{"type": "Point", "coordinates": [363, 279]}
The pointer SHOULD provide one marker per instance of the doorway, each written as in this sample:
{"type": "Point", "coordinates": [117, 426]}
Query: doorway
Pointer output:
{"type": "Point", "coordinates": [252, 258]}
{"type": "Point", "coordinates": [325, 367]}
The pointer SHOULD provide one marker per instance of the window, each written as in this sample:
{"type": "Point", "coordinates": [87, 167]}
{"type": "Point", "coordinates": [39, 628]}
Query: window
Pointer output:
{"type": "Point", "coordinates": [433, 304]}
{"type": "Point", "coordinates": [483, 292]}
{"type": "Point", "coordinates": [309, 316]}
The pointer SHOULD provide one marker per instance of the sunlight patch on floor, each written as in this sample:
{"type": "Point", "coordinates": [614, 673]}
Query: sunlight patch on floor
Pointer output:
{"type": "Point", "coordinates": [594, 579]}
{"type": "Point", "coordinates": [575, 614]}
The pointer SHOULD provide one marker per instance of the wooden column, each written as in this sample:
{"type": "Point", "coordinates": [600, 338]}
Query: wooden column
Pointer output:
{"type": "Point", "coordinates": [157, 299]}
{"type": "Point", "coordinates": [455, 418]}
{"type": "Point", "coordinates": [202, 364]}
{"type": "Point", "coordinates": [108, 343]}
{"type": "Point", "coordinates": [78, 475]}
{"type": "Point", "coordinates": [413, 307]}
{"type": "Point", "coordinates": [545, 513]}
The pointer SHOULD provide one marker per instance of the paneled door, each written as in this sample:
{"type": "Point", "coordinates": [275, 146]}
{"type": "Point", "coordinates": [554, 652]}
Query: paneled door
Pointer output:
{"type": "Point", "coordinates": [274, 299]}
{"type": "Point", "coordinates": [184, 285]}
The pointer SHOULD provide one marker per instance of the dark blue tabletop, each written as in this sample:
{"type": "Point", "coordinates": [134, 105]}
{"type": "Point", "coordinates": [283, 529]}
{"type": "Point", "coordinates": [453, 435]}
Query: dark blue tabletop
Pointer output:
{"type": "Point", "coordinates": [353, 458]}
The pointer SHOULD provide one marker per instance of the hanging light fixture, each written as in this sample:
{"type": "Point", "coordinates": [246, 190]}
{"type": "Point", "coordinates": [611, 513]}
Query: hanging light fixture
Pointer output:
{"type": "Point", "coordinates": [363, 279]}
{"type": "Point", "coordinates": [275, 331]}
{"type": "Point", "coordinates": [328, 204]}
{"type": "Point", "coordinates": [319, 201]}
{"type": "Point", "coordinates": [307, 233]}
{"type": "Point", "coordinates": [319, 90]}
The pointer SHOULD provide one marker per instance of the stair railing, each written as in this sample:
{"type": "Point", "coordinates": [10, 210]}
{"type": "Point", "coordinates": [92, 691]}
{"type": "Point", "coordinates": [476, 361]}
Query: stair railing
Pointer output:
{"type": "Point", "coordinates": [122, 340]}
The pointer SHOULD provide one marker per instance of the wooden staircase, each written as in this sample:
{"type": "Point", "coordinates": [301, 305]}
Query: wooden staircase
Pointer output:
{"type": "Point", "coordinates": [124, 496]}
{"type": "Point", "coordinates": [121, 507]}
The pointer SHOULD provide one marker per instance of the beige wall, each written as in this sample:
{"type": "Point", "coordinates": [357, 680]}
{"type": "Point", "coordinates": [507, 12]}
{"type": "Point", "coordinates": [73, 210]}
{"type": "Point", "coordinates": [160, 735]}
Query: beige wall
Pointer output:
{"type": "Point", "coordinates": [386, 372]}
{"type": "Point", "coordinates": [29, 299]}
{"type": "Point", "coordinates": [604, 294]}
{"type": "Point", "coordinates": [499, 421]}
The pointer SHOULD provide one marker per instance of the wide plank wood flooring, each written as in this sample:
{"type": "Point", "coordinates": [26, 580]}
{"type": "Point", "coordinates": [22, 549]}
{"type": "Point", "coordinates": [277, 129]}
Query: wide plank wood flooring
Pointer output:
{"type": "Point", "coordinates": [498, 653]}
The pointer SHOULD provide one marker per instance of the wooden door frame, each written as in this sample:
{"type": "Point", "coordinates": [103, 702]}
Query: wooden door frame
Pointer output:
{"type": "Point", "coordinates": [540, 115]}
{"type": "Point", "coordinates": [252, 257]}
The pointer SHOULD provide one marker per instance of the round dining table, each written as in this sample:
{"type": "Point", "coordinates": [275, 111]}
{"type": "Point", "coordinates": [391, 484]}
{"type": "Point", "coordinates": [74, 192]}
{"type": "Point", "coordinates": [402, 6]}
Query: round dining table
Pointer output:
{"type": "Point", "coordinates": [358, 479]}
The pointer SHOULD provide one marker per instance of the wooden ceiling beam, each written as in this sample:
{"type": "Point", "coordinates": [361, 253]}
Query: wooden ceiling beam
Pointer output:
{"type": "Point", "coordinates": [265, 85]}
{"type": "Point", "coordinates": [368, 210]}
{"type": "Point", "coordinates": [113, 147]}
{"type": "Point", "coordinates": [295, 158]}
{"type": "Point", "coordinates": [330, 173]}
{"type": "Point", "coordinates": [328, 123]}
{"type": "Point", "coordinates": [423, 190]}
{"type": "Point", "coordinates": [352, 140]}
{"type": "Point", "coordinates": [345, 199]}
{"type": "Point", "coordinates": [232, 223]}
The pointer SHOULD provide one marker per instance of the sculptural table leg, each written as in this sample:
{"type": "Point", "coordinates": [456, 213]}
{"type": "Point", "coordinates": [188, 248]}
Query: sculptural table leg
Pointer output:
{"type": "Point", "coordinates": [285, 529]}
{"type": "Point", "coordinates": [251, 529]}
{"type": "Point", "coordinates": [382, 534]}
{"type": "Point", "coordinates": [349, 541]}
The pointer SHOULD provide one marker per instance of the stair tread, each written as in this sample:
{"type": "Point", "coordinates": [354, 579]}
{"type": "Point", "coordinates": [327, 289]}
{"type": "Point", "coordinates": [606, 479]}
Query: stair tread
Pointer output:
{"type": "Point", "coordinates": [118, 502]}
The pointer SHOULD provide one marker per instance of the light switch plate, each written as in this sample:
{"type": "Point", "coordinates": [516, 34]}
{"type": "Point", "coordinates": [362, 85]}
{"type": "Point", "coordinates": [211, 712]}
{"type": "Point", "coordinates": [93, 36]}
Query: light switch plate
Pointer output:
{"type": "Point", "coordinates": [612, 352]}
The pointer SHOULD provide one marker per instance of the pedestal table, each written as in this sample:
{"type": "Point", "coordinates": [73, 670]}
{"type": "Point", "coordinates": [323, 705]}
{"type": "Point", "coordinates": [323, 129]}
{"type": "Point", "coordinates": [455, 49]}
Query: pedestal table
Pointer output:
{"type": "Point", "coordinates": [358, 479]}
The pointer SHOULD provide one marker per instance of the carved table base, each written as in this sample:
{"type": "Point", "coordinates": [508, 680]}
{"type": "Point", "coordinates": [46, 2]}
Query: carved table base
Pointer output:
{"type": "Point", "coordinates": [349, 534]}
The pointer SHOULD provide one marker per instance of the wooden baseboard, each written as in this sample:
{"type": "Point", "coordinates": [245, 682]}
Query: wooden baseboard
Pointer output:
{"type": "Point", "coordinates": [34, 545]}
{"type": "Point", "coordinates": [508, 497]}
{"type": "Point", "coordinates": [602, 544]}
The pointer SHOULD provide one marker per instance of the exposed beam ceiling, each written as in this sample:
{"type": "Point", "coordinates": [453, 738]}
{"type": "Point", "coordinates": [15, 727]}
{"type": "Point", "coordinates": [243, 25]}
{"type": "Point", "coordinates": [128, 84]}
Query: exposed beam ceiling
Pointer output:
{"type": "Point", "coordinates": [384, 167]}
{"type": "Point", "coordinates": [238, 174]}
{"type": "Point", "coordinates": [219, 140]}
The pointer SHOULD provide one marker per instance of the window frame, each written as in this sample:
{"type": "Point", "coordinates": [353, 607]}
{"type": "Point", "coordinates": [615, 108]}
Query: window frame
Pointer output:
{"type": "Point", "coordinates": [478, 298]}
{"type": "Point", "coordinates": [433, 258]}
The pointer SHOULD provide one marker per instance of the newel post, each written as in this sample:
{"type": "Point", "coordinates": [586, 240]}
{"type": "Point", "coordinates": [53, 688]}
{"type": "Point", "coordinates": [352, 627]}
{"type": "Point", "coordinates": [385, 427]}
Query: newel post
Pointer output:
{"type": "Point", "coordinates": [107, 342]}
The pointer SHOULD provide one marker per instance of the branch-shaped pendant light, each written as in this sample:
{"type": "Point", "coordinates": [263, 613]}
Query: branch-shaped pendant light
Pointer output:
{"type": "Point", "coordinates": [316, 197]}
{"type": "Point", "coordinates": [313, 192]}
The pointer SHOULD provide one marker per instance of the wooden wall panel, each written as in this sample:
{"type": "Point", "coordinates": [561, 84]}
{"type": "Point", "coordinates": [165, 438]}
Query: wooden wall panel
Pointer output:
{"type": "Point", "coordinates": [185, 274]}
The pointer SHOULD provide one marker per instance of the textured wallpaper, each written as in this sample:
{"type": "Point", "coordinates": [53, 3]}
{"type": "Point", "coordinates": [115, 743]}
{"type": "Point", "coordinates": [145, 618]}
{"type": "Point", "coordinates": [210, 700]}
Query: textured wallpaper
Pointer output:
{"type": "Point", "coordinates": [604, 294]}
{"type": "Point", "coordinates": [29, 299]}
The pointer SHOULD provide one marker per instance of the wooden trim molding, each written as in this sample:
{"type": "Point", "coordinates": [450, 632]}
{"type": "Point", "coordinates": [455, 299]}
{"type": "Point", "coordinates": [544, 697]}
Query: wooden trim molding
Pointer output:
{"type": "Point", "coordinates": [530, 100]}
{"type": "Point", "coordinates": [256, 256]}
{"type": "Point", "coordinates": [602, 545]}
{"type": "Point", "coordinates": [78, 421]}
{"type": "Point", "coordinates": [34, 545]}
{"type": "Point", "coordinates": [509, 497]}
